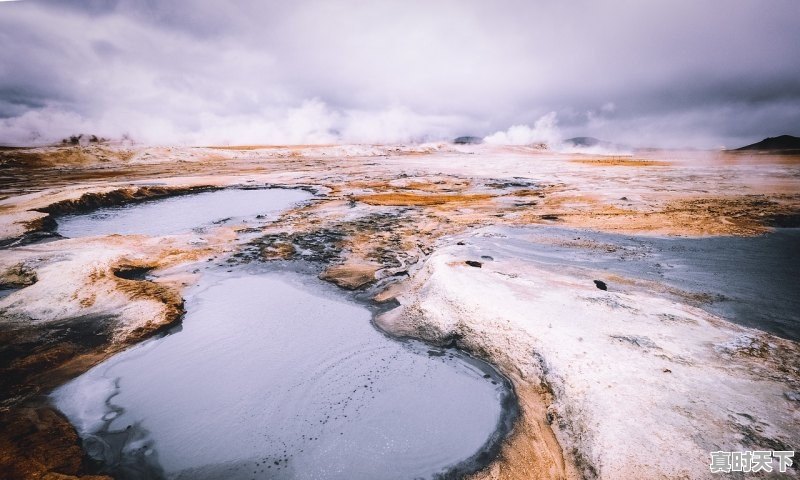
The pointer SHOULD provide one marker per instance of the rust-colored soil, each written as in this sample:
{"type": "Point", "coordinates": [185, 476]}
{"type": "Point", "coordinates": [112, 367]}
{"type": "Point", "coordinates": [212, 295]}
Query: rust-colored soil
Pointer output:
{"type": "Point", "coordinates": [620, 162]}
{"type": "Point", "coordinates": [38, 443]}
{"type": "Point", "coordinates": [531, 451]}
{"type": "Point", "coordinates": [410, 199]}
{"type": "Point", "coordinates": [351, 275]}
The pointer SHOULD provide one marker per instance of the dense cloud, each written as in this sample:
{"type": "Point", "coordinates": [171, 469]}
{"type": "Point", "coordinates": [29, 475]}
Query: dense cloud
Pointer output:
{"type": "Point", "coordinates": [668, 73]}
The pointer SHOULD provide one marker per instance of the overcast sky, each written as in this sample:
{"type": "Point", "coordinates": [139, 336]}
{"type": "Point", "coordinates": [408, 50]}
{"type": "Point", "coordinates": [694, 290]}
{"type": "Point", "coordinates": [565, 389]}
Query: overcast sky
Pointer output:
{"type": "Point", "coordinates": [645, 73]}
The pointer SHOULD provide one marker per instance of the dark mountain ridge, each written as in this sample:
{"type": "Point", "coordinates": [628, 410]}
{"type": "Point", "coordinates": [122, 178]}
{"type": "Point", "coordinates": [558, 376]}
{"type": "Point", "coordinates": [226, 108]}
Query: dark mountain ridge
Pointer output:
{"type": "Point", "coordinates": [783, 143]}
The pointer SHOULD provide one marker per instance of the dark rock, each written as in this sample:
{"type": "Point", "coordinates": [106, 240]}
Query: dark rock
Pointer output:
{"type": "Point", "coordinates": [473, 263]}
{"type": "Point", "coordinates": [132, 272]}
{"type": "Point", "coordinates": [636, 340]}
{"type": "Point", "coordinates": [517, 182]}
{"type": "Point", "coordinates": [601, 284]}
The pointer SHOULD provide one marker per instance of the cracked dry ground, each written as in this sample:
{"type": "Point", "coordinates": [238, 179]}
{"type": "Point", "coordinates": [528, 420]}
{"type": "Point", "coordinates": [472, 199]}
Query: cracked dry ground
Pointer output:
{"type": "Point", "coordinates": [374, 219]}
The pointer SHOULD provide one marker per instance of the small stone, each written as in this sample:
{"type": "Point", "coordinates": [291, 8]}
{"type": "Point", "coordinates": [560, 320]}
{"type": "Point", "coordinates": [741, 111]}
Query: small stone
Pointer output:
{"type": "Point", "coordinates": [601, 284]}
{"type": "Point", "coordinates": [473, 263]}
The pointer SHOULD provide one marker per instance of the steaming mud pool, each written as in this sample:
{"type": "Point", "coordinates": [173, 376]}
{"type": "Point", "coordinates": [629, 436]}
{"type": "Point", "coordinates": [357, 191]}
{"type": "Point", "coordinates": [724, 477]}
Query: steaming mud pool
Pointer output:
{"type": "Point", "coordinates": [276, 374]}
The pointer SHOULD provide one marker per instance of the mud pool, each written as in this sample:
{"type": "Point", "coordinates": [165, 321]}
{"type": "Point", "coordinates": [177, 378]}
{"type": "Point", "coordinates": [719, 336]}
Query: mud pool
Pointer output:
{"type": "Point", "coordinates": [180, 214]}
{"type": "Point", "coordinates": [748, 280]}
{"type": "Point", "coordinates": [276, 375]}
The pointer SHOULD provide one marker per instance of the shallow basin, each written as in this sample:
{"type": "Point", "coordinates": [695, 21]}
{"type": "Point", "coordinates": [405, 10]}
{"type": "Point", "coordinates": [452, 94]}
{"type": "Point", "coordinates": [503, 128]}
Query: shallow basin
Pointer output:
{"type": "Point", "coordinates": [181, 213]}
{"type": "Point", "coordinates": [277, 375]}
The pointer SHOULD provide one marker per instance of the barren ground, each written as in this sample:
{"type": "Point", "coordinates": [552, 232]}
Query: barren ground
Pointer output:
{"type": "Point", "coordinates": [592, 370]}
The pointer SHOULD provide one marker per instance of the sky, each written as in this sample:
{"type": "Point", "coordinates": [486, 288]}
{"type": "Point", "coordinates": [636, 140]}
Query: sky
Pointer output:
{"type": "Point", "coordinates": [677, 73]}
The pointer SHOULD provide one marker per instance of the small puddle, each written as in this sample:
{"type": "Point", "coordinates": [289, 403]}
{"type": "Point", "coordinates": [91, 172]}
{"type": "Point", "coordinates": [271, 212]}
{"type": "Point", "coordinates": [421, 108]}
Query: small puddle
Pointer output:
{"type": "Point", "coordinates": [276, 374]}
{"type": "Point", "coordinates": [6, 291]}
{"type": "Point", "coordinates": [181, 213]}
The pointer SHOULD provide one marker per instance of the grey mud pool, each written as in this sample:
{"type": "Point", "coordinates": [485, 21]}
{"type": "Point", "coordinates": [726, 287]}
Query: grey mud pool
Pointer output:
{"type": "Point", "coordinates": [182, 213]}
{"type": "Point", "coordinates": [276, 374]}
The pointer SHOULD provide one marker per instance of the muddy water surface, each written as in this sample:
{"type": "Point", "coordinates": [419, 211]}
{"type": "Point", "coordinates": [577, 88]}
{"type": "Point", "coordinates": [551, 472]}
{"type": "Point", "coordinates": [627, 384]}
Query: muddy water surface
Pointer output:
{"type": "Point", "coordinates": [752, 281]}
{"type": "Point", "coordinates": [275, 374]}
{"type": "Point", "coordinates": [180, 214]}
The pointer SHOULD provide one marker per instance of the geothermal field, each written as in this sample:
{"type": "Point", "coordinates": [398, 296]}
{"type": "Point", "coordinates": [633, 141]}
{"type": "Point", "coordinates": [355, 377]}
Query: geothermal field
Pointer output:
{"type": "Point", "coordinates": [399, 240]}
{"type": "Point", "coordinates": [395, 311]}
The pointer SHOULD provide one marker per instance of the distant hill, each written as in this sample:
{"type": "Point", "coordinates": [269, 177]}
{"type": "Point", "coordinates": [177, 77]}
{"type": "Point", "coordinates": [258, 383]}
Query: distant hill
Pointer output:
{"type": "Point", "coordinates": [591, 144]}
{"type": "Point", "coordinates": [468, 140]}
{"type": "Point", "coordinates": [784, 143]}
{"type": "Point", "coordinates": [585, 142]}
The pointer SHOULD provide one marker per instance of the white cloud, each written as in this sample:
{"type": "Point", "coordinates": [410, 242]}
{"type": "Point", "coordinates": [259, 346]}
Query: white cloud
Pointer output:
{"type": "Point", "coordinates": [313, 70]}
{"type": "Point", "coordinates": [609, 107]}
